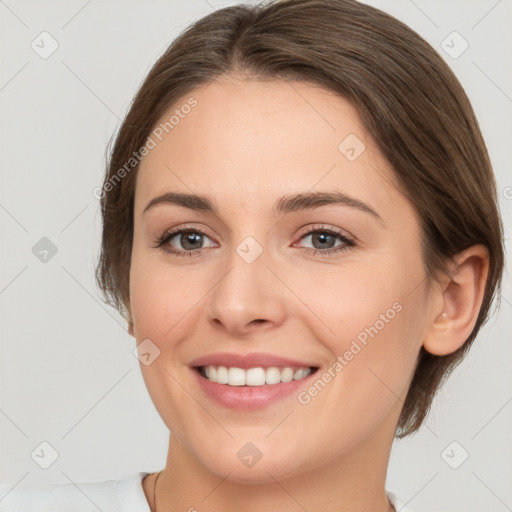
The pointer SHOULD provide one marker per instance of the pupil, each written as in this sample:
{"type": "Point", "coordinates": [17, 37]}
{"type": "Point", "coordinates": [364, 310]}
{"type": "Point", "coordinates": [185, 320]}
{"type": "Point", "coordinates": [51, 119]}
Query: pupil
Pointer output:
{"type": "Point", "coordinates": [190, 238]}
{"type": "Point", "coordinates": [323, 237]}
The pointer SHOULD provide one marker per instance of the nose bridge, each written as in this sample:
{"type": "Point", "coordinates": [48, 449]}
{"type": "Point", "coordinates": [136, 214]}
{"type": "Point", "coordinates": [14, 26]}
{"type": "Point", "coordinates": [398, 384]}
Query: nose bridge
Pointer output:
{"type": "Point", "coordinates": [247, 290]}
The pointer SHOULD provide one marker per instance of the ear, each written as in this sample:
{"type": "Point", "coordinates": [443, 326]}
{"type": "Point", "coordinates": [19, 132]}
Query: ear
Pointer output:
{"type": "Point", "coordinates": [458, 300]}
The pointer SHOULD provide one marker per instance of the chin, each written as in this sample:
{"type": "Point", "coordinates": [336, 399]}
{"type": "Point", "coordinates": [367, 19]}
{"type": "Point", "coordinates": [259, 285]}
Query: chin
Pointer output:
{"type": "Point", "coordinates": [254, 476]}
{"type": "Point", "coordinates": [263, 471]}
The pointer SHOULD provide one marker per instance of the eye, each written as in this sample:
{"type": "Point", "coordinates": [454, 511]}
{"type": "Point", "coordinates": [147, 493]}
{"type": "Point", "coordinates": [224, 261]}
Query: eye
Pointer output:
{"type": "Point", "coordinates": [190, 239]}
{"type": "Point", "coordinates": [325, 239]}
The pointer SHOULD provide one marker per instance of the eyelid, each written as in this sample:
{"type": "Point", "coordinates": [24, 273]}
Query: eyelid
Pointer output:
{"type": "Point", "coordinates": [187, 227]}
{"type": "Point", "coordinates": [168, 234]}
{"type": "Point", "coordinates": [309, 229]}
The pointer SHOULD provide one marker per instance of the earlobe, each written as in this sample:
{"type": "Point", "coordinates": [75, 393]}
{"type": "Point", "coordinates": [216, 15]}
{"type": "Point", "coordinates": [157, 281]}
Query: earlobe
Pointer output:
{"type": "Point", "coordinates": [461, 298]}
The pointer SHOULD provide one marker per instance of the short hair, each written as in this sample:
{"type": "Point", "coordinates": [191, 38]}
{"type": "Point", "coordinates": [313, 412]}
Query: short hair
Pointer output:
{"type": "Point", "coordinates": [407, 97]}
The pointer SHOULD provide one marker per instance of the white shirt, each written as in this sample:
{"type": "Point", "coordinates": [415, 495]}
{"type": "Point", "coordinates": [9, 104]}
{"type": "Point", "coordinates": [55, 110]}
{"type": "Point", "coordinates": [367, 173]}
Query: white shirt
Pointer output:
{"type": "Point", "coordinates": [109, 496]}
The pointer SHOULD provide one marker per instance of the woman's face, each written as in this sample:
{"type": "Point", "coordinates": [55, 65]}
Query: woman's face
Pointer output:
{"type": "Point", "coordinates": [338, 286]}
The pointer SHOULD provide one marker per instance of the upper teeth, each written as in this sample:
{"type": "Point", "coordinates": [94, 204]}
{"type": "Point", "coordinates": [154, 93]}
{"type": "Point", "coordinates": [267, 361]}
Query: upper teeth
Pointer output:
{"type": "Point", "coordinates": [254, 376]}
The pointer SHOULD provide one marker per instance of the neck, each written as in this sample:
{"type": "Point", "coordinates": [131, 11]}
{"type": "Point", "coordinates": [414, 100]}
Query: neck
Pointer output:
{"type": "Point", "coordinates": [353, 481]}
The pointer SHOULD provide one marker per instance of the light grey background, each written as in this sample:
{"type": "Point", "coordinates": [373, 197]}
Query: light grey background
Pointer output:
{"type": "Point", "coordinates": [68, 376]}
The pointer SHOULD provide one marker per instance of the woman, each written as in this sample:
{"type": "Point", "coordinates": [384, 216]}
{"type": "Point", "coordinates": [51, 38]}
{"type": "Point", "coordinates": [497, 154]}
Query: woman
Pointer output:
{"type": "Point", "coordinates": [300, 228]}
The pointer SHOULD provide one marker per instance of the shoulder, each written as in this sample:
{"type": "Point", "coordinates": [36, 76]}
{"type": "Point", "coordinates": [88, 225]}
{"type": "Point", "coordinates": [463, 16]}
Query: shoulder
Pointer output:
{"type": "Point", "coordinates": [396, 501]}
{"type": "Point", "coordinates": [124, 495]}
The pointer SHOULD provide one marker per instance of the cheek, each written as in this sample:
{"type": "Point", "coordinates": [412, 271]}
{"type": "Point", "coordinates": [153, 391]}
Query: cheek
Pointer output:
{"type": "Point", "coordinates": [161, 298]}
{"type": "Point", "coordinates": [147, 301]}
{"type": "Point", "coordinates": [161, 307]}
{"type": "Point", "coordinates": [353, 301]}
{"type": "Point", "coordinates": [372, 318]}
{"type": "Point", "coordinates": [374, 349]}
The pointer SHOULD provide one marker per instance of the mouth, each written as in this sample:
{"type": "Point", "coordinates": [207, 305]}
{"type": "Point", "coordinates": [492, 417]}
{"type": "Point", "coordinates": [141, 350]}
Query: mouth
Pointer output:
{"type": "Point", "coordinates": [250, 381]}
{"type": "Point", "coordinates": [254, 377]}
{"type": "Point", "coordinates": [252, 389]}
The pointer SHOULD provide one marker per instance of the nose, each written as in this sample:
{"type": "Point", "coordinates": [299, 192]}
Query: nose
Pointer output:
{"type": "Point", "coordinates": [248, 297]}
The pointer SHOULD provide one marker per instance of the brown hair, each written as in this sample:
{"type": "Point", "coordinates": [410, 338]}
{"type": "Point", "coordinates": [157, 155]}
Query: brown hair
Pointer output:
{"type": "Point", "coordinates": [408, 99]}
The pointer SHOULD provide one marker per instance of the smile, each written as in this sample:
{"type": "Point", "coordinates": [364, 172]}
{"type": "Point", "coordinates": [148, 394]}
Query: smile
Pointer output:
{"type": "Point", "coordinates": [259, 376]}
{"type": "Point", "coordinates": [247, 389]}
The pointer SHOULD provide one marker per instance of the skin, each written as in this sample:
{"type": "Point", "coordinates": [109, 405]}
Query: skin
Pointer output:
{"type": "Point", "coordinates": [246, 144]}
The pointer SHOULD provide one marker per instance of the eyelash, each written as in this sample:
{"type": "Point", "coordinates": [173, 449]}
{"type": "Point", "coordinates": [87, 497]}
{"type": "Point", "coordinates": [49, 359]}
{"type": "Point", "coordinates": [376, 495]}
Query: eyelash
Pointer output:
{"type": "Point", "coordinates": [166, 237]}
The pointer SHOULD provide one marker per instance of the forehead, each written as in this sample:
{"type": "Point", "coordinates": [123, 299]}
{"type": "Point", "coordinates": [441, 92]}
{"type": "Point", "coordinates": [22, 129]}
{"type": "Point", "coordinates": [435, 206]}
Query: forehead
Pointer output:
{"type": "Point", "coordinates": [254, 140]}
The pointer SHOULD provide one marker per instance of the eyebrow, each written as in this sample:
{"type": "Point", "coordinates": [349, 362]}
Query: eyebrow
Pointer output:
{"type": "Point", "coordinates": [286, 204]}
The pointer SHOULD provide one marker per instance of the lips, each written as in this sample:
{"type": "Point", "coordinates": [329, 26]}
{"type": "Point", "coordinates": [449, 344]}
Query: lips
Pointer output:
{"type": "Point", "coordinates": [246, 397]}
{"type": "Point", "coordinates": [246, 361]}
